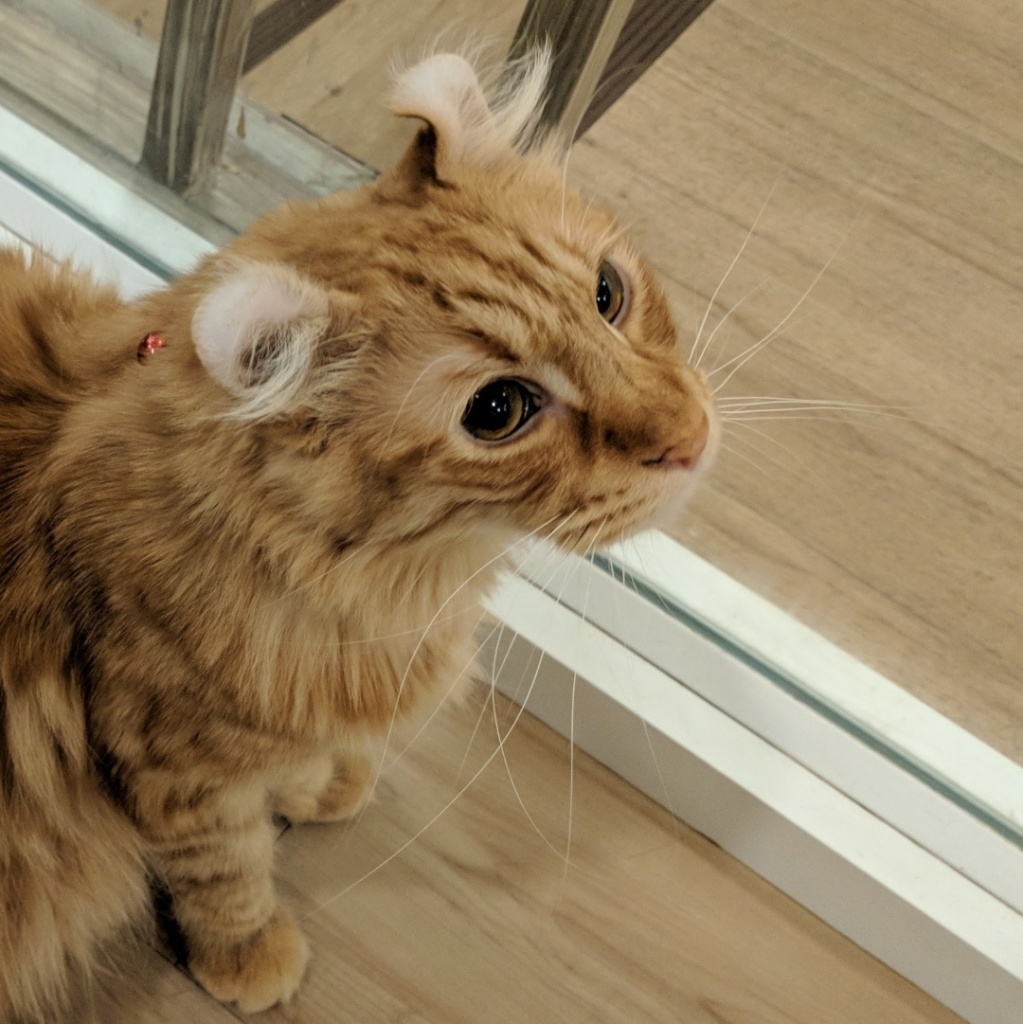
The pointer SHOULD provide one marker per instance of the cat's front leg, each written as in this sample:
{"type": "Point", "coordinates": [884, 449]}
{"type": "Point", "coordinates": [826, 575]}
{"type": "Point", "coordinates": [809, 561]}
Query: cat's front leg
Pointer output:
{"type": "Point", "coordinates": [213, 846]}
{"type": "Point", "coordinates": [331, 787]}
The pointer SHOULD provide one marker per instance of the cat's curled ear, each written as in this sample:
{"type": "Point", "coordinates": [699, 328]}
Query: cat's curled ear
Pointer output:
{"type": "Point", "coordinates": [464, 129]}
{"type": "Point", "coordinates": [258, 333]}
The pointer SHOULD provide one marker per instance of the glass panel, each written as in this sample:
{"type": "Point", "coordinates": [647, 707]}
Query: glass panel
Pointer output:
{"type": "Point", "coordinates": [333, 78]}
{"type": "Point", "coordinates": [860, 163]}
{"type": "Point", "coordinates": [78, 66]}
{"type": "Point", "coordinates": [864, 161]}
{"type": "Point", "coordinates": [145, 18]}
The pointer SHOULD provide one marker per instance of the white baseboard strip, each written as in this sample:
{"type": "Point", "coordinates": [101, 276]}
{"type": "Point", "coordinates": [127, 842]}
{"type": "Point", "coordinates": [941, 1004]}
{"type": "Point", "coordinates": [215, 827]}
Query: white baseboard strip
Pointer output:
{"type": "Point", "coordinates": [928, 811]}
{"type": "Point", "coordinates": [37, 174]}
{"type": "Point", "coordinates": [856, 872]}
{"type": "Point", "coordinates": [927, 741]}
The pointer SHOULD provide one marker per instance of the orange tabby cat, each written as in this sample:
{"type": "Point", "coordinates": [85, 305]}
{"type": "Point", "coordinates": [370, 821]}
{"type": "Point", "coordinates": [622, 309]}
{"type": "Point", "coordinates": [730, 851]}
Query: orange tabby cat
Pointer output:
{"type": "Point", "coordinates": [229, 510]}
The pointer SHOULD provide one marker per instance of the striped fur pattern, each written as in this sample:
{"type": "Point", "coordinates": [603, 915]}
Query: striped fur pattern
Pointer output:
{"type": "Point", "coordinates": [227, 572]}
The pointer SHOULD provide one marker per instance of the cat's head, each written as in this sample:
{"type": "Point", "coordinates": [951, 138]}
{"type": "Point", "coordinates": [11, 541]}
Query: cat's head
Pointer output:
{"type": "Point", "coordinates": [466, 345]}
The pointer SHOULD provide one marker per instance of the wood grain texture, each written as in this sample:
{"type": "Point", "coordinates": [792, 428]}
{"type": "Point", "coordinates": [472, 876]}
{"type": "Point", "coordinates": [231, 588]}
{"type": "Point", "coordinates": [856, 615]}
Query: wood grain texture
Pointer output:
{"type": "Point", "coordinates": [894, 153]}
{"type": "Point", "coordinates": [479, 919]}
{"type": "Point", "coordinates": [652, 26]}
{"type": "Point", "coordinates": [280, 22]}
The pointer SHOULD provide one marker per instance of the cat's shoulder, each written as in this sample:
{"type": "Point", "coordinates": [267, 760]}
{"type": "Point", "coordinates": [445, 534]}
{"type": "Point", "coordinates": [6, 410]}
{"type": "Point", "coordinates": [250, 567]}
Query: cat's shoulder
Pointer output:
{"type": "Point", "coordinates": [46, 349]}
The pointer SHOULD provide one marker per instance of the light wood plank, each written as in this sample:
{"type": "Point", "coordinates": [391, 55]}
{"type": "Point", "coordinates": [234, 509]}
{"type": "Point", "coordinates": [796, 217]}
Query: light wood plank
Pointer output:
{"type": "Point", "coordinates": [479, 920]}
{"type": "Point", "coordinates": [141, 987]}
{"type": "Point", "coordinates": [899, 538]}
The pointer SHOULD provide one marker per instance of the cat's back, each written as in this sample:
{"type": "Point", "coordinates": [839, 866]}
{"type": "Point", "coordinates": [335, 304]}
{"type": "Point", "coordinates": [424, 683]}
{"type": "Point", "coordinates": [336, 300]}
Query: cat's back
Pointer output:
{"type": "Point", "coordinates": [43, 305]}
{"type": "Point", "coordinates": [70, 868]}
{"type": "Point", "coordinates": [53, 356]}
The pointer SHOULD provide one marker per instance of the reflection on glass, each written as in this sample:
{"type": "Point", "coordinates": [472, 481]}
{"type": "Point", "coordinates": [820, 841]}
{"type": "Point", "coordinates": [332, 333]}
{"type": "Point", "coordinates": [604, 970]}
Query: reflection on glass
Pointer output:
{"type": "Point", "coordinates": [82, 66]}
{"type": "Point", "coordinates": [333, 77]}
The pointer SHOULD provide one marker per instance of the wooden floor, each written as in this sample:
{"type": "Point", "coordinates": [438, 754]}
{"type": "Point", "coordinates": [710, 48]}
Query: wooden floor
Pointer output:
{"type": "Point", "coordinates": [481, 919]}
{"type": "Point", "coordinates": [883, 144]}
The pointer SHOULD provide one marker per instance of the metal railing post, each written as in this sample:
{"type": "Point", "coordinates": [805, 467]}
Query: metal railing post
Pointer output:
{"type": "Point", "coordinates": [200, 62]}
{"type": "Point", "coordinates": [581, 36]}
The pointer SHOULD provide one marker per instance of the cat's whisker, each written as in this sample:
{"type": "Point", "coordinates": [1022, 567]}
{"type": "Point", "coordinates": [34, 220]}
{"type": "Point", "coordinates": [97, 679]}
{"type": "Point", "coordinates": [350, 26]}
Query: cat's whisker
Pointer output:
{"type": "Point", "coordinates": [745, 457]}
{"type": "Point", "coordinates": [497, 670]}
{"type": "Point", "coordinates": [726, 399]}
{"type": "Point", "coordinates": [412, 658]}
{"type": "Point", "coordinates": [744, 358]}
{"type": "Point", "coordinates": [812, 414]}
{"type": "Point", "coordinates": [746, 416]}
{"type": "Point", "coordinates": [732, 408]}
{"type": "Point", "coordinates": [375, 639]}
{"type": "Point", "coordinates": [724, 320]}
{"type": "Point", "coordinates": [731, 267]}
{"type": "Point", "coordinates": [446, 357]}
{"type": "Point", "coordinates": [499, 628]}
{"type": "Point", "coordinates": [609, 238]}
{"type": "Point", "coordinates": [737, 362]}
{"type": "Point", "coordinates": [761, 434]}
{"type": "Point", "coordinates": [340, 564]}
{"type": "Point", "coordinates": [567, 856]}
{"type": "Point", "coordinates": [492, 701]}
{"type": "Point", "coordinates": [451, 689]}
{"type": "Point", "coordinates": [502, 739]}
{"type": "Point", "coordinates": [316, 579]}
{"type": "Point", "coordinates": [458, 675]}
{"type": "Point", "coordinates": [745, 438]}
{"type": "Point", "coordinates": [555, 569]}
{"type": "Point", "coordinates": [644, 718]}
{"type": "Point", "coordinates": [486, 700]}
{"type": "Point", "coordinates": [571, 717]}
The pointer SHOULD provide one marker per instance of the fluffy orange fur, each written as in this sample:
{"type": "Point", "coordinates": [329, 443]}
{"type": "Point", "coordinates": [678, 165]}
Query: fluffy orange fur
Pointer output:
{"type": "Point", "coordinates": [226, 572]}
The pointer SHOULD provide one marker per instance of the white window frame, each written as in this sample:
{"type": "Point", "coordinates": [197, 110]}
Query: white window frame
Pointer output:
{"type": "Point", "coordinates": [680, 705]}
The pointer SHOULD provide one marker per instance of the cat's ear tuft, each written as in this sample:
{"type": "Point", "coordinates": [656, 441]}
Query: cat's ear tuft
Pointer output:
{"type": "Point", "coordinates": [463, 128]}
{"type": "Point", "coordinates": [444, 92]}
{"type": "Point", "coordinates": [256, 333]}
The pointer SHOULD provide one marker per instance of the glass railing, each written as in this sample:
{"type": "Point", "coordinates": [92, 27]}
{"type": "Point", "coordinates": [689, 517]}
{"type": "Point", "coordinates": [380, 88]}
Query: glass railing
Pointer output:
{"type": "Point", "coordinates": [852, 231]}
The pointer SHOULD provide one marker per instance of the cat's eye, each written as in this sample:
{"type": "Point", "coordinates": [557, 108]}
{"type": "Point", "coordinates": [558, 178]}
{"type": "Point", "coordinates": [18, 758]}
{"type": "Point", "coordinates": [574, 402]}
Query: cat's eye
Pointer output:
{"type": "Point", "coordinates": [499, 409]}
{"type": "Point", "coordinates": [612, 294]}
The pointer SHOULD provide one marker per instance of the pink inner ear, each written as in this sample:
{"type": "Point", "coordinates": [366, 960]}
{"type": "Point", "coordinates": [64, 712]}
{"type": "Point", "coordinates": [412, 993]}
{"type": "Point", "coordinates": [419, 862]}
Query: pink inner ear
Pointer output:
{"type": "Point", "coordinates": [241, 308]}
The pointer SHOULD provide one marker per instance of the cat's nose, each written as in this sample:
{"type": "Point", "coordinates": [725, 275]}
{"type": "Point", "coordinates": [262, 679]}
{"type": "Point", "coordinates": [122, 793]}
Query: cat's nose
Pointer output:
{"type": "Point", "coordinates": [686, 452]}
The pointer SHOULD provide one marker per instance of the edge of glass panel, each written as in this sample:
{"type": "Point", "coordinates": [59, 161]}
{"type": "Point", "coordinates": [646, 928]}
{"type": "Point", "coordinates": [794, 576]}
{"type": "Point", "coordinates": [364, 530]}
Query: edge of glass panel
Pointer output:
{"type": "Point", "coordinates": [803, 663]}
{"type": "Point", "coordinates": [58, 178]}
{"type": "Point", "coordinates": [863, 875]}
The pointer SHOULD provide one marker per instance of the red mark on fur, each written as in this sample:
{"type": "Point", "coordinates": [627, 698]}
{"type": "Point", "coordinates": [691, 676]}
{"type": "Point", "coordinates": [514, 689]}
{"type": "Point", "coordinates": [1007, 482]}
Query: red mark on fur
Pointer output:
{"type": "Point", "coordinates": [148, 345]}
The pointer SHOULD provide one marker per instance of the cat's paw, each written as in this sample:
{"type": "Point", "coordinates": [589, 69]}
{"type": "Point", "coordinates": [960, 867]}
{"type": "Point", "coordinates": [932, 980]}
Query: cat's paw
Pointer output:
{"type": "Point", "coordinates": [259, 972]}
{"type": "Point", "coordinates": [342, 796]}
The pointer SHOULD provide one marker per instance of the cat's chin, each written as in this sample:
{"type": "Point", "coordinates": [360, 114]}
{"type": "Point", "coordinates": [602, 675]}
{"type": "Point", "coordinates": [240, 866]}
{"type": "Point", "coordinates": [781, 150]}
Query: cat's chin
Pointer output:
{"type": "Point", "coordinates": [669, 509]}
{"type": "Point", "coordinates": [600, 535]}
